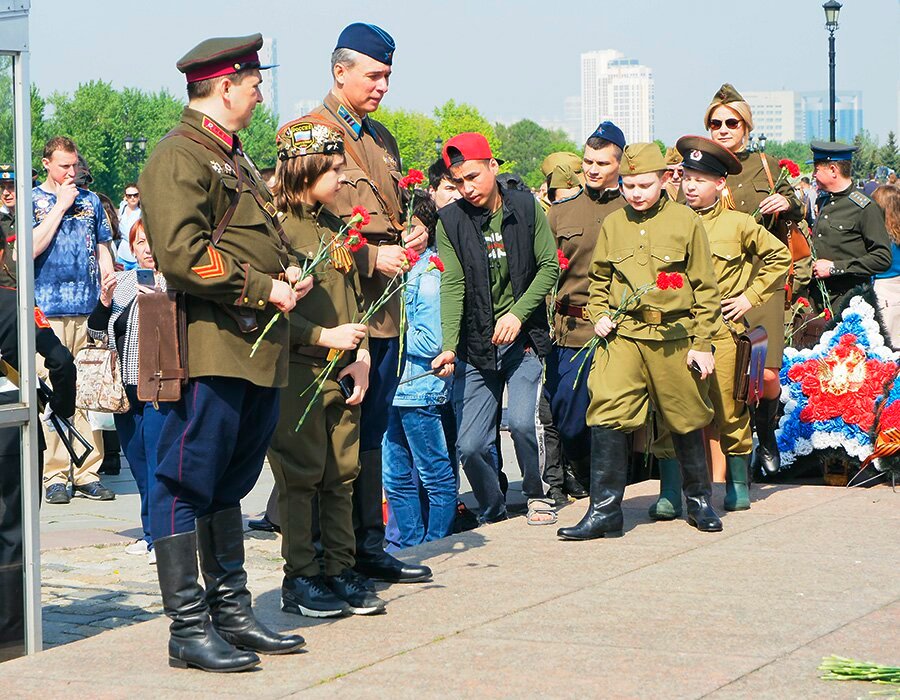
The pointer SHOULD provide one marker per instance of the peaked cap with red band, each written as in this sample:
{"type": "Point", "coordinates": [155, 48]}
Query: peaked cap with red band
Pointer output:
{"type": "Point", "coordinates": [220, 56]}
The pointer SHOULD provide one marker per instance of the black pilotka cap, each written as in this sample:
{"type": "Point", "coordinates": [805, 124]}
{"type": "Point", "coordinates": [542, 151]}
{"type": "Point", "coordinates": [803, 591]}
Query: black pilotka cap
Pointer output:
{"type": "Point", "coordinates": [705, 155]}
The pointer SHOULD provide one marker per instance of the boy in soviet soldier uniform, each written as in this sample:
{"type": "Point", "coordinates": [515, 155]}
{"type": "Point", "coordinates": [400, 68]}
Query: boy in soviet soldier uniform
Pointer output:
{"type": "Point", "coordinates": [576, 224]}
{"type": "Point", "coordinates": [214, 439]}
{"type": "Point", "coordinates": [361, 69]}
{"type": "Point", "coordinates": [850, 234]}
{"type": "Point", "coordinates": [661, 350]}
{"type": "Point", "coordinates": [318, 461]}
{"type": "Point", "coordinates": [750, 264]}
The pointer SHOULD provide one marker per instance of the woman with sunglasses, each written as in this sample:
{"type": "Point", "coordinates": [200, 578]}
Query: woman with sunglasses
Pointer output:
{"type": "Point", "coordinates": [730, 121]}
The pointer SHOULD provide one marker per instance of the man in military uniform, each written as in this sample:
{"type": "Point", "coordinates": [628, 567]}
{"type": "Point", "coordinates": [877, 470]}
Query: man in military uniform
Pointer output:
{"type": "Point", "coordinates": [661, 352]}
{"type": "Point", "coordinates": [850, 237]}
{"type": "Point", "coordinates": [215, 235]}
{"type": "Point", "coordinates": [361, 69]}
{"type": "Point", "coordinates": [8, 224]}
{"type": "Point", "coordinates": [576, 224]}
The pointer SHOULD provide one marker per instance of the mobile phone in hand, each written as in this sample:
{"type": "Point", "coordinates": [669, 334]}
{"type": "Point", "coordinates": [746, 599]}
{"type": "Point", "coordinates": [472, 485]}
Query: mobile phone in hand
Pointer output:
{"type": "Point", "coordinates": [346, 385]}
{"type": "Point", "coordinates": [145, 278]}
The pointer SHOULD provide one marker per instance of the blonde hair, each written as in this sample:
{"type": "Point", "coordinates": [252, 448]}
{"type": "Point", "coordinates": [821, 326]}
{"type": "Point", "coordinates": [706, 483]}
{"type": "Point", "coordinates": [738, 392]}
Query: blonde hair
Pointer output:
{"type": "Point", "coordinates": [888, 198]}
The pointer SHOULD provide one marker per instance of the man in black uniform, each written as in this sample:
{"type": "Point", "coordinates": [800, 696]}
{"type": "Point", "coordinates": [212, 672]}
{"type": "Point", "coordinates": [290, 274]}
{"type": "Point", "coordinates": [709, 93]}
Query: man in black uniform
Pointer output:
{"type": "Point", "coordinates": [8, 223]}
{"type": "Point", "coordinates": [850, 237]}
{"type": "Point", "coordinates": [61, 368]}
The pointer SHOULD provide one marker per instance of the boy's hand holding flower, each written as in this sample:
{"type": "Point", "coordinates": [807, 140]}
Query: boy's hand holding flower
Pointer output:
{"type": "Point", "coordinates": [344, 337]}
{"type": "Point", "coordinates": [604, 326]}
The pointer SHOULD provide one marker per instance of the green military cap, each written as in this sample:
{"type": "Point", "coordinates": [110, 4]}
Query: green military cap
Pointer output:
{"type": "Point", "coordinates": [731, 98]}
{"type": "Point", "coordinates": [564, 158]}
{"type": "Point", "coordinates": [727, 93]}
{"type": "Point", "coordinates": [673, 157]}
{"type": "Point", "coordinates": [307, 136]}
{"type": "Point", "coordinates": [707, 156]}
{"type": "Point", "coordinates": [7, 172]}
{"type": "Point", "coordinates": [640, 158]}
{"type": "Point", "coordinates": [562, 176]}
{"type": "Point", "coordinates": [221, 56]}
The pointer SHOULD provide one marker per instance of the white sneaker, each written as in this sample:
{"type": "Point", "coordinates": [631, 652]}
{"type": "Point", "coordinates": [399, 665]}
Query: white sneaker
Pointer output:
{"type": "Point", "coordinates": [151, 557]}
{"type": "Point", "coordinates": [137, 547]}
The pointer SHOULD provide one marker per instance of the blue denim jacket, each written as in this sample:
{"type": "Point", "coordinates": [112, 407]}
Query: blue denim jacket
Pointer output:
{"type": "Point", "coordinates": [423, 338]}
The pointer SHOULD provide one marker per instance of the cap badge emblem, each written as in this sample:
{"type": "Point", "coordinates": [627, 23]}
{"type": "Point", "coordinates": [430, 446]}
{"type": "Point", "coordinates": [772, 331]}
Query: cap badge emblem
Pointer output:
{"type": "Point", "coordinates": [696, 155]}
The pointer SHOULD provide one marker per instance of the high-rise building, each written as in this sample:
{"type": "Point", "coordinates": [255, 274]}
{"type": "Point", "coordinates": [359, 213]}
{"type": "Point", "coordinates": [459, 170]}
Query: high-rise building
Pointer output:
{"type": "Point", "coordinates": [619, 89]}
{"type": "Point", "coordinates": [787, 115]}
{"type": "Point", "coordinates": [304, 107]}
{"type": "Point", "coordinates": [268, 55]}
{"type": "Point", "coordinates": [777, 114]}
{"type": "Point", "coordinates": [848, 114]}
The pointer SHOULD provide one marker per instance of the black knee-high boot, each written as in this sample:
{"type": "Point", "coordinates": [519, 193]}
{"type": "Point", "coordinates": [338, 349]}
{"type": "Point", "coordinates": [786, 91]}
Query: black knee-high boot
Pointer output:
{"type": "Point", "coordinates": [766, 458]}
{"type": "Point", "coordinates": [691, 452]}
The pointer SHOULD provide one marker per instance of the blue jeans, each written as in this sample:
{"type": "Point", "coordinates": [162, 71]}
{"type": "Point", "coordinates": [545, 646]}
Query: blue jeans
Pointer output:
{"type": "Point", "coordinates": [476, 396]}
{"type": "Point", "coordinates": [415, 446]}
{"type": "Point", "coordinates": [138, 430]}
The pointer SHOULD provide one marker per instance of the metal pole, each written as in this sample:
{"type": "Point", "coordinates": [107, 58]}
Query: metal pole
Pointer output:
{"type": "Point", "coordinates": [831, 95]}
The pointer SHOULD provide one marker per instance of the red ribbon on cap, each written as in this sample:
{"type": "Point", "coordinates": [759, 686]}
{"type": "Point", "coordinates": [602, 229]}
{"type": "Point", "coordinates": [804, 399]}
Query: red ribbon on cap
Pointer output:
{"type": "Point", "coordinates": [220, 68]}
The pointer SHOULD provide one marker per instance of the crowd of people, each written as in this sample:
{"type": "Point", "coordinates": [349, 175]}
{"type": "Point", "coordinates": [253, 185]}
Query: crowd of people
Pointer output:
{"type": "Point", "coordinates": [359, 327]}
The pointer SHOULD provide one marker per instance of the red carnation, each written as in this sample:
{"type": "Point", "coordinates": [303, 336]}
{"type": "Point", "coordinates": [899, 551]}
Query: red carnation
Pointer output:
{"type": "Point", "coordinates": [790, 166]}
{"type": "Point", "coordinates": [662, 280]}
{"type": "Point", "coordinates": [411, 255]}
{"type": "Point", "coordinates": [803, 301]}
{"type": "Point", "coordinates": [415, 176]}
{"type": "Point", "coordinates": [357, 241]}
{"type": "Point", "coordinates": [827, 314]}
{"type": "Point", "coordinates": [676, 281]}
{"type": "Point", "coordinates": [437, 262]}
{"type": "Point", "coordinates": [364, 214]}
{"type": "Point", "coordinates": [563, 260]}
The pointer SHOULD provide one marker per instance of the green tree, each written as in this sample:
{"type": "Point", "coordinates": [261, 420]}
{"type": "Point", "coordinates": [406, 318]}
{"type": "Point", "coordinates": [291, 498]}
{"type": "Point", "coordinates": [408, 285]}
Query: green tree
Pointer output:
{"type": "Point", "coordinates": [415, 133]}
{"type": "Point", "coordinates": [796, 151]}
{"type": "Point", "coordinates": [456, 118]}
{"type": "Point", "coordinates": [259, 138]}
{"type": "Point", "coordinates": [526, 144]}
{"type": "Point", "coordinates": [864, 158]}
{"type": "Point", "coordinates": [888, 154]}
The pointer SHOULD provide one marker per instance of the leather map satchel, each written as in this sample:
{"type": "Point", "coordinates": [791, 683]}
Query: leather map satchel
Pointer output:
{"type": "Point", "coordinates": [750, 362]}
{"type": "Point", "coordinates": [162, 346]}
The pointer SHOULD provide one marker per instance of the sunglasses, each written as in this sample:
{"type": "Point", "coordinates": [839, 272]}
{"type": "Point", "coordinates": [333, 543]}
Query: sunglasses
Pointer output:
{"type": "Point", "coordinates": [132, 195]}
{"type": "Point", "coordinates": [730, 123]}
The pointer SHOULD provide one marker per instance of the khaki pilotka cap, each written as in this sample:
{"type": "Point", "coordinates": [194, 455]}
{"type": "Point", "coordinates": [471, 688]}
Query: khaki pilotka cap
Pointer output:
{"type": "Point", "coordinates": [640, 158]}
{"type": "Point", "coordinates": [564, 158]}
{"type": "Point", "coordinates": [731, 98]}
{"type": "Point", "coordinates": [673, 157]}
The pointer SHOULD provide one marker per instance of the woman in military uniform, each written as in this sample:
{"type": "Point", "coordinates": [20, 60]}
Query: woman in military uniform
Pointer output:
{"type": "Point", "coordinates": [730, 121]}
{"type": "Point", "coordinates": [750, 264]}
{"type": "Point", "coordinates": [319, 461]}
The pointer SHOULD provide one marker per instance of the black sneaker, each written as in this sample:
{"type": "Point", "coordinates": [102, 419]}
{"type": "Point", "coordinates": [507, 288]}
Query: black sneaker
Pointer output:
{"type": "Point", "coordinates": [57, 494]}
{"type": "Point", "coordinates": [357, 591]}
{"type": "Point", "coordinates": [95, 491]}
{"type": "Point", "coordinates": [311, 596]}
{"type": "Point", "coordinates": [555, 494]}
{"type": "Point", "coordinates": [465, 519]}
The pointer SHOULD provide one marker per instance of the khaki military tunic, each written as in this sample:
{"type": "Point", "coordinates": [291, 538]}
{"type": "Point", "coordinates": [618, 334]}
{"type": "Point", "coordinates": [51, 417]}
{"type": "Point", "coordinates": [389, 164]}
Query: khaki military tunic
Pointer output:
{"type": "Point", "coordinates": [646, 357]}
{"type": "Point", "coordinates": [321, 459]}
{"type": "Point", "coordinates": [748, 188]}
{"type": "Point", "coordinates": [186, 189]}
{"type": "Point", "coordinates": [850, 231]}
{"type": "Point", "coordinates": [372, 173]}
{"type": "Point", "coordinates": [576, 224]}
{"type": "Point", "coordinates": [747, 260]}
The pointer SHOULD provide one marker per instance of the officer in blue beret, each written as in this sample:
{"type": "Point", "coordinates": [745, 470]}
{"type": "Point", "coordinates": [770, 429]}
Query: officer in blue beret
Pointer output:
{"type": "Point", "coordinates": [849, 236]}
{"type": "Point", "coordinates": [361, 69]}
{"type": "Point", "coordinates": [576, 224]}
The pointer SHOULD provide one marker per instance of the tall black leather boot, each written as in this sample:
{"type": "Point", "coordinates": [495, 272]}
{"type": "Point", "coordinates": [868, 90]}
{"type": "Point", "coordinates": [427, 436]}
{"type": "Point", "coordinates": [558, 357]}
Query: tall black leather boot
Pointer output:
{"type": "Point", "coordinates": [691, 452]}
{"type": "Point", "coordinates": [577, 473]}
{"type": "Point", "coordinates": [609, 472]}
{"type": "Point", "coordinates": [193, 641]}
{"type": "Point", "coordinates": [766, 458]}
{"type": "Point", "coordinates": [220, 540]}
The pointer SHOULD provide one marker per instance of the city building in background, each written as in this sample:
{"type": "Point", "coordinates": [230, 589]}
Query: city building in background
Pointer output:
{"type": "Point", "coordinates": [789, 115]}
{"type": "Point", "coordinates": [305, 106]}
{"type": "Point", "coordinates": [848, 112]}
{"type": "Point", "coordinates": [777, 114]}
{"type": "Point", "coordinates": [617, 88]}
{"type": "Point", "coordinates": [268, 56]}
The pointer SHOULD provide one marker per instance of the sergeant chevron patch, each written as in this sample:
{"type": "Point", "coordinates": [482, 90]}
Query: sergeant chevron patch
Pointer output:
{"type": "Point", "coordinates": [216, 267]}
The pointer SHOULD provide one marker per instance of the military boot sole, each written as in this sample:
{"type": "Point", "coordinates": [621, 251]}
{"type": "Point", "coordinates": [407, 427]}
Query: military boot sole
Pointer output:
{"type": "Point", "coordinates": [182, 663]}
{"type": "Point", "coordinates": [572, 537]}
{"type": "Point", "coordinates": [256, 648]}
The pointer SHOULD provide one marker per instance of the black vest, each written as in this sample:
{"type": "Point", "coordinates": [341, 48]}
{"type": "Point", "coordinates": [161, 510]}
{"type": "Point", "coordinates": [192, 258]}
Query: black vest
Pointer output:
{"type": "Point", "coordinates": [463, 224]}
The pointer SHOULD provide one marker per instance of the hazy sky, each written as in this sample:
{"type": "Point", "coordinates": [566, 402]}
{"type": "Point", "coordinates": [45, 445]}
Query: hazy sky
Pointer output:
{"type": "Point", "coordinates": [511, 59]}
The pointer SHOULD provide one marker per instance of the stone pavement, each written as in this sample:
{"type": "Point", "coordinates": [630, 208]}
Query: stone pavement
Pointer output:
{"type": "Point", "coordinates": [663, 612]}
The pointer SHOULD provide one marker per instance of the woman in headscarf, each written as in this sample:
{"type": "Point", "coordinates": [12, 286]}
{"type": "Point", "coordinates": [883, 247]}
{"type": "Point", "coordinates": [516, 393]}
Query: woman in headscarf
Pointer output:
{"type": "Point", "coordinates": [729, 120]}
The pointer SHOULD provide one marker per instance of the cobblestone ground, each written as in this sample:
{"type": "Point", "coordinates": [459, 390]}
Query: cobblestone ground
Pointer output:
{"type": "Point", "coordinates": [88, 590]}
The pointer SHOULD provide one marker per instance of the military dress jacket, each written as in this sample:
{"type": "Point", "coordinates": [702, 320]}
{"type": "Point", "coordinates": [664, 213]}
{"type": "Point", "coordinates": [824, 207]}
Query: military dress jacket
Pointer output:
{"type": "Point", "coordinates": [747, 259]}
{"type": "Point", "coordinates": [372, 173]}
{"type": "Point", "coordinates": [186, 189]}
{"type": "Point", "coordinates": [751, 186]}
{"type": "Point", "coordinates": [575, 223]}
{"type": "Point", "coordinates": [336, 297]}
{"type": "Point", "coordinates": [850, 231]}
{"type": "Point", "coordinates": [632, 249]}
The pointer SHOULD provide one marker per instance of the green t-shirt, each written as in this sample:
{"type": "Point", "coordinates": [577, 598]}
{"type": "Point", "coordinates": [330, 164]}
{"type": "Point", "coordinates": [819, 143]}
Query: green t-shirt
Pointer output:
{"type": "Point", "coordinates": [453, 285]}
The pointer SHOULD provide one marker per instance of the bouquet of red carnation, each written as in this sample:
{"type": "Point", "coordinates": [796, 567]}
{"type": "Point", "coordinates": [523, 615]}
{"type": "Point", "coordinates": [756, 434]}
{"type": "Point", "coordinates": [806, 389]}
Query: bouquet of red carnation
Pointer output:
{"type": "Point", "coordinates": [664, 280]}
{"type": "Point", "coordinates": [412, 178]}
{"type": "Point", "coordinates": [350, 235]}
{"type": "Point", "coordinates": [789, 169]}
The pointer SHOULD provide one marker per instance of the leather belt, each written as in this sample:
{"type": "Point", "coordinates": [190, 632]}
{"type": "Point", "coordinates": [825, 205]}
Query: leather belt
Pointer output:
{"type": "Point", "coordinates": [572, 310]}
{"type": "Point", "coordinates": [655, 317]}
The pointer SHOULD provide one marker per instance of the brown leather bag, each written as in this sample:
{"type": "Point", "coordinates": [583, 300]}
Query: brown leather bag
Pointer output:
{"type": "Point", "coordinates": [162, 346]}
{"type": "Point", "coordinates": [750, 362]}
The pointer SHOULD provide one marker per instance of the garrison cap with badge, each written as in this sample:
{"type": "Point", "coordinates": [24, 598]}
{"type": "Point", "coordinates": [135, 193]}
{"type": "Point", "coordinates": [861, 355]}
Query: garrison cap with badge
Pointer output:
{"type": "Point", "coordinates": [707, 156]}
{"type": "Point", "coordinates": [368, 39]}
{"type": "Point", "coordinates": [609, 132]}
{"type": "Point", "coordinates": [308, 135]}
{"type": "Point", "coordinates": [560, 158]}
{"type": "Point", "coordinates": [7, 172]}
{"type": "Point", "coordinates": [562, 170]}
{"type": "Point", "coordinates": [220, 56]}
{"type": "Point", "coordinates": [731, 98]}
{"type": "Point", "coordinates": [640, 158]}
{"type": "Point", "coordinates": [673, 157]}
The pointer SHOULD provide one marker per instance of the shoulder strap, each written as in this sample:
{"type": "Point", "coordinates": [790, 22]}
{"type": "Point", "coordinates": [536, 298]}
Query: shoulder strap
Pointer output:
{"type": "Point", "coordinates": [765, 164]}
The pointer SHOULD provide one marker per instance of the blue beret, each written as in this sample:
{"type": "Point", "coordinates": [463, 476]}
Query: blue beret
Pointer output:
{"type": "Point", "coordinates": [831, 150]}
{"type": "Point", "coordinates": [369, 40]}
{"type": "Point", "coordinates": [609, 132]}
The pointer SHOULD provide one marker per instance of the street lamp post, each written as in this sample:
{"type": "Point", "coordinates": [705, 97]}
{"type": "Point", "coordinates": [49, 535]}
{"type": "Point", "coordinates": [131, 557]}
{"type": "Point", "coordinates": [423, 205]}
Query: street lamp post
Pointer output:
{"type": "Point", "coordinates": [832, 10]}
{"type": "Point", "coordinates": [133, 155]}
{"type": "Point", "coordinates": [762, 143]}
{"type": "Point", "coordinates": [438, 145]}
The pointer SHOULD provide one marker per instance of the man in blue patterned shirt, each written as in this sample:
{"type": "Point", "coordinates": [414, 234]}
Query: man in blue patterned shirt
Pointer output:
{"type": "Point", "coordinates": [71, 255]}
